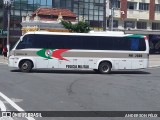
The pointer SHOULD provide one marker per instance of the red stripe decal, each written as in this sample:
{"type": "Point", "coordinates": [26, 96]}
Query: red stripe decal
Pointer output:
{"type": "Point", "coordinates": [57, 54]}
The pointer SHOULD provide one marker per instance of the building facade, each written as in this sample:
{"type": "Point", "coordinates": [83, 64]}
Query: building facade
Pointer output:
{"type": "Point", "coordinates": [139, 15]}
{"type": "Point", "coordinates": [18, 9]}
{"type": "Point", "coordinates": [1, 26]}
{"type": "Point", "coordinates": [47, 19]}
{"type": "Point", "coordinates": [92, 11]}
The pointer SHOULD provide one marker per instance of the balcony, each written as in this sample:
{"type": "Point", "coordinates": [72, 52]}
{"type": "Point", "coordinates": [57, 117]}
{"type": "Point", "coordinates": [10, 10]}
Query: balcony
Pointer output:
{"type": "Point", "coordinates": [135, 14]}
{"type": "Point", "coordinates": [157, 15]}
{"type": "Point", "coordinates": [138, 14]}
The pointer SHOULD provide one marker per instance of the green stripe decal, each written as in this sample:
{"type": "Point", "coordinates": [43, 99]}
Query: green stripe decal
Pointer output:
{"type": "Point", "coordinates": [136, 36]}
{"type": "Point", "coordinates": [52, 53]}
{"type": "Point", "coordinates": [46, 53]}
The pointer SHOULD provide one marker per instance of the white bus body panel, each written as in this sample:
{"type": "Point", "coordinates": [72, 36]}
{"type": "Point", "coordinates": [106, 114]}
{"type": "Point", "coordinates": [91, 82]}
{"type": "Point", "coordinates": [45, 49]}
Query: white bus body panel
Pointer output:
{"type": "Point", "coordinates": [83, 62]}
{"type": "Point", "coordinates": [15, 60]}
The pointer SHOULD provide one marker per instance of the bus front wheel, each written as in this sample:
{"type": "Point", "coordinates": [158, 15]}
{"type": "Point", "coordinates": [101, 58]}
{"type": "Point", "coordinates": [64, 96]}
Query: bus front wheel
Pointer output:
{"type": "Point", "coordinates": [26, 66]}
{"type": "Point", "coordinates": [105, 68]}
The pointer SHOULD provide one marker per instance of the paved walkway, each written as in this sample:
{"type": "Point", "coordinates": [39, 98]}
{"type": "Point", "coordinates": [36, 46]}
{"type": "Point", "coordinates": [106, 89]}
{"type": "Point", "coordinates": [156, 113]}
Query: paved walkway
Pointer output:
{"type": "Point", "coordinates": [2, 60]}
{"type": "Point", "coordinates": [154, 60]}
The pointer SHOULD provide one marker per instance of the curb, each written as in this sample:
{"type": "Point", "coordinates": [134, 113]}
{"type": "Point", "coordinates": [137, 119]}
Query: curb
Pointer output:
{"type": "Point", "coordinates": [154, 66]}
{"type": "Point", "coordinates": [3, 63]}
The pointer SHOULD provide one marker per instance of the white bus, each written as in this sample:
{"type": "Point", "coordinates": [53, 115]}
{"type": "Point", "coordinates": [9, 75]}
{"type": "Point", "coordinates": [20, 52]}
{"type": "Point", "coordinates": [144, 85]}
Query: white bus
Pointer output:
{"type": "Point", "coordinates": [101, 52]}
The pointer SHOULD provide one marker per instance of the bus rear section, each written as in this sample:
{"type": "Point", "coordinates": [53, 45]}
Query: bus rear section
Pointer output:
{"type": "Point", "coordinates": [99, 52]}
{"type": "Point", "coordinates": [136, 56]}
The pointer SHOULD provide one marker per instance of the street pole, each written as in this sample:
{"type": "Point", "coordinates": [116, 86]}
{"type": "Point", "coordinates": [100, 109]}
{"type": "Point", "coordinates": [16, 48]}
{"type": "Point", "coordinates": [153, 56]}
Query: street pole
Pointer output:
{"type": "Point", "coordinates": [104, 16]}
{"type": "Point", "coordinates": [112, 17]}
{"type": "Point", "coordinates": [112, 14]}
{"type": "Point", "coordinates": [7, 4]}
{"type": "Point", "coordinates": [8, 33]}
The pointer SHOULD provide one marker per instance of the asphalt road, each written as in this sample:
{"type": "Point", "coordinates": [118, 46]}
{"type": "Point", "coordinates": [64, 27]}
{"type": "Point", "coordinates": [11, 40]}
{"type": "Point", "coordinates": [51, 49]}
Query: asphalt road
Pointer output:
{"type": "Point", "coordinates": [59, 90]}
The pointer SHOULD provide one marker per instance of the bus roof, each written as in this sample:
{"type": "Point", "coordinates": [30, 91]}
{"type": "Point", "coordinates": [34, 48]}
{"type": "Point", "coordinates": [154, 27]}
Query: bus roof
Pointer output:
{"type": "Point", "coordinates": [105, 33]}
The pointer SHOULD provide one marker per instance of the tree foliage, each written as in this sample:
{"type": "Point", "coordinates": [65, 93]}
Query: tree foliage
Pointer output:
{"type": "Point", "coordinates": [80, 27]}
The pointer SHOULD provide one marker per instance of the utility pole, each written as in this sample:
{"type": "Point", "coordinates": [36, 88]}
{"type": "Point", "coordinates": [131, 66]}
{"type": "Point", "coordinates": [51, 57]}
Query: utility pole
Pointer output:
{"type": "Point", "coordinates": [104, 16]}
{"type": "Point", "coordinates": [112, 17]}
{"type": "Point", "coordinates": [7, 4]}
{"type": "Point", "coordinates": [112, 14]}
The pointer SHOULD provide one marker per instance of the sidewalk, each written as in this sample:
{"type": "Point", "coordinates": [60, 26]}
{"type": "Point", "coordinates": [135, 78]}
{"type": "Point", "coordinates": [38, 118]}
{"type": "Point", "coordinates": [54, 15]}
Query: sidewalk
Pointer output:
{"type": "Point", "coordinates": [154, 60]}
{"type": "Point", "coordinates": [2, 60]}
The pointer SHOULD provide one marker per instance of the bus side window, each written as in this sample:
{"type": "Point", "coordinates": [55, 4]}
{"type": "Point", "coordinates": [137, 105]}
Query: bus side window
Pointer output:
{"type": "Point", "coordinates": [142, 44]}
{"type": "Point", "coordinates": [121, 43]}
{"type": "Point", "coordinates": [41, 41]}
{"type": "Point", "coordinates": [134, 44]}
{"type": "Point", "coordinates": [29, 42]}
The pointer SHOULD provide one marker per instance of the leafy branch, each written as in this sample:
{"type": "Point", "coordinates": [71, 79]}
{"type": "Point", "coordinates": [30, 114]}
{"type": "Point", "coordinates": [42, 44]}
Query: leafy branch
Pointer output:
{"type": "Point", "coordinates": [80, 27]}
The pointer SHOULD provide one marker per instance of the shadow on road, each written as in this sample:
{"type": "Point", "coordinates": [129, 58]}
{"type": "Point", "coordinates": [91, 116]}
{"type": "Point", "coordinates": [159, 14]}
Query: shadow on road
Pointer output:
{"type": "Point", "coordinates": [130, 72]}
{"type": "Point", "coordinates": [83, 72]}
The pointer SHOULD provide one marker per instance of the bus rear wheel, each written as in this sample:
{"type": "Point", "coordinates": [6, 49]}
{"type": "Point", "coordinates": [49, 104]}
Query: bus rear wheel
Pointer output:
{"type": "Point", "coordinates": [26, 66]}
{"type": "Point", "coordinates": [104, 68]}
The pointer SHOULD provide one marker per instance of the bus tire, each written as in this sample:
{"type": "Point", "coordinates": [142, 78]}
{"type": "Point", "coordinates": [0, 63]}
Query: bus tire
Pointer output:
{"type": "Point", "coordinates": [26, 66]}
{"type": "Point", "coordinates": [104, 68]}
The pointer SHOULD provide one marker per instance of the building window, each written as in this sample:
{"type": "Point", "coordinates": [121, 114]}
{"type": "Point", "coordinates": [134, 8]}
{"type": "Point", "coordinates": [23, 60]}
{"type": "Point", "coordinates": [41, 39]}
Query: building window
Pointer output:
{"type": "Point", "coordinates": [141, 25]}
{"type": "Point", "coordinates": [157, 7]}
{"type": "Point", "coordinates": [115, 23]}
{"type": "Point", "coordinates": [129, 24]}
{"type": "Point", "coordinates": [1, 4]}
{"type": "Point", "coordinates": [155, 26]}
{"type": "Point", "coordinates": [116, 4]}
{"type": "Point", "coordinates": [143, 6]}
{"type": "Point", "coordinates": [132, 5]}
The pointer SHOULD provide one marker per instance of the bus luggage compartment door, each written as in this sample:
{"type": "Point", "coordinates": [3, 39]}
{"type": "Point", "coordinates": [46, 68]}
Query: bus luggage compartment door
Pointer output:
{"type": "Point", "coordinates": [66, 64]}
{"type": "Point", "coordinates": [123, 64]}
{"type": "Point", "coordinates": [136, 64]}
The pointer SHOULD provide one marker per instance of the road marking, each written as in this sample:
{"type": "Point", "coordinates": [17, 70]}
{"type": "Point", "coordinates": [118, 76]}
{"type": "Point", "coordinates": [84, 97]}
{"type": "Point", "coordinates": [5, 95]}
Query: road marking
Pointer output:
{"type": "Point", "coordinates": [2, 106]}
{"type": "Point", "coordinates": [3, 109]}
{"type": "Point", "coordinates": [14, 100]}
{"type": "Point", "coordinates": [14, 105]}
{"type": "Point", "coordinates": [6, 118]}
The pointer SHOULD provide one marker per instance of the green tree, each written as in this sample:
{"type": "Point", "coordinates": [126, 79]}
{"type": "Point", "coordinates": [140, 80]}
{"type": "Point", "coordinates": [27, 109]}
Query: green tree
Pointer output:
{"type": "Point", "coordinates": [80, 27]}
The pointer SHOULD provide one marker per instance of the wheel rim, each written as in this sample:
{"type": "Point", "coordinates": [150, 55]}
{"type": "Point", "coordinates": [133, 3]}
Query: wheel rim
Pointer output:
{"type": "Point", "coordinates": [24, 66]}
{"type": "Point", "coordinates": [105, 68]}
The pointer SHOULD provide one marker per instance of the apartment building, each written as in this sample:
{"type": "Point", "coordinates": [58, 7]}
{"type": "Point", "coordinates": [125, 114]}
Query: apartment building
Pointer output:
{"type": "Point", "coordinates": [136, 16]}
